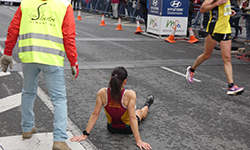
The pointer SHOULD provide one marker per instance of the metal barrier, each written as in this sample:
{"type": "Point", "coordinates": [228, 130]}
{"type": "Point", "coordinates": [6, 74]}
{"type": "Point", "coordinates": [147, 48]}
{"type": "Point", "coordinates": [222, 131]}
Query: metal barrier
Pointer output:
{"type": "Point", "coordinates": [128, 10]}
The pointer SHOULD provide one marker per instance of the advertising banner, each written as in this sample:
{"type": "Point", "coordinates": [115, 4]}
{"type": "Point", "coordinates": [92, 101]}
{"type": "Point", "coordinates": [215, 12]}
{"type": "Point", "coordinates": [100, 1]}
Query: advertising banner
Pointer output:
{"type": "Point", "coordinates": [164, 15]}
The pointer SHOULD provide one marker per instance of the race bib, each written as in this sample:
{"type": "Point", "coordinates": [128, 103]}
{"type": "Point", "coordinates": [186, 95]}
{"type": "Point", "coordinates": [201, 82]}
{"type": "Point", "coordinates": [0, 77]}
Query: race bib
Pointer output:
{"type": "Point", "coordinates": [227, 10]}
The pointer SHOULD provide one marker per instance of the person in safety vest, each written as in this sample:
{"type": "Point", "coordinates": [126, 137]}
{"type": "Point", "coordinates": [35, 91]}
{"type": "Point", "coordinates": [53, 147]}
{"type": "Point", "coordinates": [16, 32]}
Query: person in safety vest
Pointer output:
{"type": "Point", "coordinates": [46, 32]}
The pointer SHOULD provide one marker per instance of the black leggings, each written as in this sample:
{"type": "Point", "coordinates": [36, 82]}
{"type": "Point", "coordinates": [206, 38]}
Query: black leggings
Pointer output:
{"type": "Point", "coordinates": [126, 130]}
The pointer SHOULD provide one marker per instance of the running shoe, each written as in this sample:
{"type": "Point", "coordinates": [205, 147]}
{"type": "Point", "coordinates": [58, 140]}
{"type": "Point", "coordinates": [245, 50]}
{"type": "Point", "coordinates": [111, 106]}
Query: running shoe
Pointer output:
{"type": "Point", "coordinates": [235, 90]}
{"type": "Point", "coordinates": [189, 75]}
{"type": "Point", "coordinates": [150, 100]}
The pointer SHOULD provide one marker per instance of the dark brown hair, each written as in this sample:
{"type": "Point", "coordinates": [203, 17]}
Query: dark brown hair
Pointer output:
{"type": "Point", "coordinates": [118, 75]}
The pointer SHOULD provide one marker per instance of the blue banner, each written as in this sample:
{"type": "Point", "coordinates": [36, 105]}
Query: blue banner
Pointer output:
{"type": "Point", "coordinates": [154, 7]}
{"type": "Point", "coordinates": [172, 8]}
{"type": "Point", "coordinates": [175, 8]}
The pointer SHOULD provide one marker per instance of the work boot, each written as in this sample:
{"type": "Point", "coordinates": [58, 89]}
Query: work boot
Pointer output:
{"type": "Point", "coordinates": [60, 146]}
{"type": "Point", "coordinates": [149, 101]}
{"type": "Point", "coordinates": [27, 135]}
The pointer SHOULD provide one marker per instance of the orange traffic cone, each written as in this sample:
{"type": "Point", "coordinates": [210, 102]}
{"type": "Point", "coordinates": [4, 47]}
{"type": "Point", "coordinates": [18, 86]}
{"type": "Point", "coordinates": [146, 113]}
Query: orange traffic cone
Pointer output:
{"type": "Point", "coordinates": [102, 22]}
{"type": "Point", "coordinates": [119, 26]}
{"type": "Point", "coordinates": [192, 37]}
{"type": "Point", "coordinates": [138, 29]}
{"type": "Point", "coordinates": [170, 39]}
{"type": "Point", "coordinates": [79, 15]}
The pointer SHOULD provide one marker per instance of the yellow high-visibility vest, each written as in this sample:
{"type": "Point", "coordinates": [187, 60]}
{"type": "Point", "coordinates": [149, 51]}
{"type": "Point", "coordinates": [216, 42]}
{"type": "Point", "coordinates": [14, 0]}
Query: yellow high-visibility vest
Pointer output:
{"type": "Point", "coordinates": [40, 34]}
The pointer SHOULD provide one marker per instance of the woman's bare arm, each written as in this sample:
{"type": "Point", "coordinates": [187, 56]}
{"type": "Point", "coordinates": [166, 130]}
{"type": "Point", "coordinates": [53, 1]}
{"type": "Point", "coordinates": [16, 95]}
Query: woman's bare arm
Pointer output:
{"type": "Point", "coordinates": [93, 118]}
{"type": "Point", "coordinates": [210, 4]}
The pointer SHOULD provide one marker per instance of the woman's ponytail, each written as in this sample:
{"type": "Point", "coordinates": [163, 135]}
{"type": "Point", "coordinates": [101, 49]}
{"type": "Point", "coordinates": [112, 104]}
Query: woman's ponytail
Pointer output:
{"type": "Point", "coordinates": [118, 75]}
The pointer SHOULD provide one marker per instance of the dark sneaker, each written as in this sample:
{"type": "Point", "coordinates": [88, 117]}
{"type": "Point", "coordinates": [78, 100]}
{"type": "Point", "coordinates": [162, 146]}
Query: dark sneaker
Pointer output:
{"type": "Point", "coordinates": [189, 75]}
{"type": "Point", "coordinates": [150, 100]}
{"type": "Point", "coordinates": [235, 90]}
{"type": "Point", "coordinates": [27, 135]}
{"type": "Point", "coordinates": [60, 146]}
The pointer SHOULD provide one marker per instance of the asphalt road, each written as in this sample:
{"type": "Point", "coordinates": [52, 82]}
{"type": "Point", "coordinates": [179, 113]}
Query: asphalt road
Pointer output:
{"type": "Point", "coordinates": [184, 116]}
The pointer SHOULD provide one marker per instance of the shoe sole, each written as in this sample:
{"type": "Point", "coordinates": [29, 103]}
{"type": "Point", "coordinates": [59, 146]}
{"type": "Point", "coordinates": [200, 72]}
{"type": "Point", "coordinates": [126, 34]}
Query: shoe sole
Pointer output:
{"type": "Point", "coordinates": [239, 92]}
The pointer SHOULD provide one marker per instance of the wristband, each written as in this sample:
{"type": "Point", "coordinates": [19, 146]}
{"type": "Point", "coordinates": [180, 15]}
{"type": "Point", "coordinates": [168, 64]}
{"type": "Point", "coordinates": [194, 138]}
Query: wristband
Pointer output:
{"type": "Point", "coordinates": [85, 133]}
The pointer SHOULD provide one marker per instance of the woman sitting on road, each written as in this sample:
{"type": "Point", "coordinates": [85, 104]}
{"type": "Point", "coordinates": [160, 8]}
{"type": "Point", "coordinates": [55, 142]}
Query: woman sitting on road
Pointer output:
{"type": "Point", "coordinates": [119, 106]}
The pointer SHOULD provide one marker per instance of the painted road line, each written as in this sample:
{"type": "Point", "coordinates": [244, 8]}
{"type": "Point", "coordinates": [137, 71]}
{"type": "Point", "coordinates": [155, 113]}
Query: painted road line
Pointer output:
{"type": "Point", "coordinates": [2, 39]}
{"type": "Point", "coordinates": [38, 141]}
{"type": "Point", "coordinates": [10, 102]}
{"type": "Point", "coordinates": [9, 7]}
{"type": "Point", "coordinates": [4, 74]}
{"type": "Point", "coordinates": [115, 39]}
{"type": "Point", "coordinates": [1, 49]}
{"type": "Point", "coordinates": [165, 68]}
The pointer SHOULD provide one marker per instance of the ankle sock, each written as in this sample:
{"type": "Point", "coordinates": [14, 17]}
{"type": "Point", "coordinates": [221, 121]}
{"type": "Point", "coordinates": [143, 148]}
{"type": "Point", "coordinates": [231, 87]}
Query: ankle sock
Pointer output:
{"type": "Point", "coordinates": [191, 69]}
{"type": "Point", "coordinates": [230, 85]}
{"type": "Point", "coordinates": [146, 104]}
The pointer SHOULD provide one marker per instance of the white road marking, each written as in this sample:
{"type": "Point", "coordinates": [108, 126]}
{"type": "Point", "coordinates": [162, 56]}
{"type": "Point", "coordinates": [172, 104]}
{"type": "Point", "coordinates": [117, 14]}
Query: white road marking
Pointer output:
{"type": "Point", "coordinates": [179, 73]}
{"type": "Point", "coordinates": [2, 39]}
{"type": "Point", "coordinates": [38, 141]}
{"type": "Point", "coordinates": [10, 102]}
{"type": "Point", "coordinates": [115, 39]}
{"type": "Point", "coordinates": [4, 74]}
{"type": "Point", "coordinates": [10, 8]}
{"type": "Point", "coordinates": [1, 49]}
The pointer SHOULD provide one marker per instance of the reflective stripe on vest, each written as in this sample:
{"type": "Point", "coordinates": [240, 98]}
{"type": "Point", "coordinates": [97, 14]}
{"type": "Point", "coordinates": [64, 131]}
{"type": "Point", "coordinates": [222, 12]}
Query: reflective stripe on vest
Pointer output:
{"type": "Point", "coordinates": [41, 49]}
{"type": "Point", "coordinates": [40, 34]}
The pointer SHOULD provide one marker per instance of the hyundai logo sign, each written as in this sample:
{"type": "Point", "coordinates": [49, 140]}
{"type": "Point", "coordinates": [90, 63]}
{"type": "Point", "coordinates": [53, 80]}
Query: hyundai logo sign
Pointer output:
{"type": "Point", "coordinates": [175, 3]}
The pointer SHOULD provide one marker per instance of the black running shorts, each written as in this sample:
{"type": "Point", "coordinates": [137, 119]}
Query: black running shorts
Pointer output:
{"type": "Point", "coordinates": [221, 37]}
{"type": "Point", "coordinates": [126, 130]}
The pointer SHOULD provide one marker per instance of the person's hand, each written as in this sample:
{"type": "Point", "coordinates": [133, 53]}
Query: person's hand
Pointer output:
{"type": "Point", "coordinates": [143, 145]}
{"type": "Point", "coordinates": [5, 61]}
{"type": "Point", "coordinates": [233, 13]}
{"type": "Point", "coordinates": [79, 138]}
{"type": "Point", "coordinates": [74, 71]}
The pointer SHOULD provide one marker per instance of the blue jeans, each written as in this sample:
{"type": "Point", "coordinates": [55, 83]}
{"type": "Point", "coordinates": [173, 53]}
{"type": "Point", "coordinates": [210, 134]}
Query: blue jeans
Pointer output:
{"type": "Point", "coordinates": [248, 28]}
{"type": "Point", "coordinates": [55, 82]}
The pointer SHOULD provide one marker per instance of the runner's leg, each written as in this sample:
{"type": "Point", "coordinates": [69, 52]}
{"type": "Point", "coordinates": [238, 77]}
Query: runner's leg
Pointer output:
{"type": "Point", "coordinates": [225, 47]}
{"type": "Point", "coordinates": [208, 49]}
